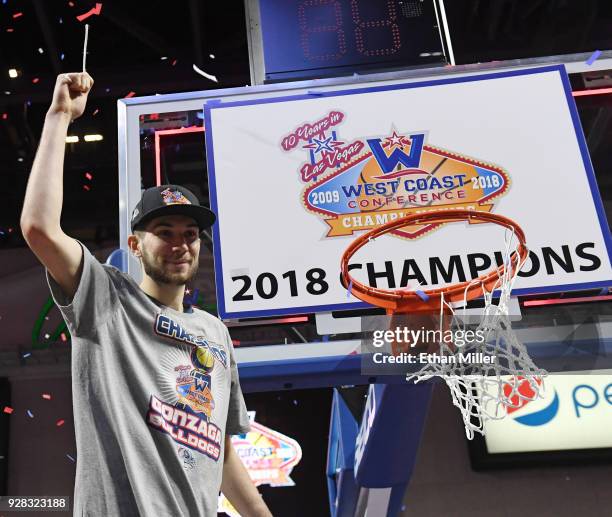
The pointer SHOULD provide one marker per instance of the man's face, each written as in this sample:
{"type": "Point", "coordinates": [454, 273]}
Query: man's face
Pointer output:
{"type": "Point", "coordinates": [171, 249]}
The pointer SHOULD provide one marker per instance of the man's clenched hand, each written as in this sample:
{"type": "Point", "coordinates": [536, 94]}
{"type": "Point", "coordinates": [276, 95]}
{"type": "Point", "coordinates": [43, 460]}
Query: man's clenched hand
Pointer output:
{"type": "Point", "coordinates": [70, 94]}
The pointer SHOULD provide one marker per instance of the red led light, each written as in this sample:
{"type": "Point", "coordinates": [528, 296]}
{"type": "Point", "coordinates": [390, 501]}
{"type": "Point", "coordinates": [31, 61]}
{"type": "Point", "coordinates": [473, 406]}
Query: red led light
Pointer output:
{"type": "Point", "coordinates": [601, 91]}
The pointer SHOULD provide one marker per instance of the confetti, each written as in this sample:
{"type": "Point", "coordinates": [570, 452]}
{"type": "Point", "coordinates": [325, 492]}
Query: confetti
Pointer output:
{"type": "Point", "coordinates": [40, 50]}
{"type": "Point", "coordinates": [350, 288]}
{"type": "Point", "coordinates": [26, 355]}
{"type": "Point", "coordinates": [163, 58]}
{"type": "Point", "coordinates": [46, 396]}
{"type": "Point", "coordinates": [204, 74]}
{"type": "Point", "coordinates": [63, 336]}
{"type": "Point", "coordinates": [88, 176]}
{"type": "Point", "coordinates": [17, 15]}
{"type": "Point", "coordinates": [131, 94]}
{"type": "Point", "coordinates": [85, 45]}
{"type": "Point", "coordinates": [211, 56]}
{"type": "Point", "coordinates": [96, 111]}
{"type": "Point", "coordinates": [8, 409]}
{"type": "Point", "coordinates": [4, 116]}
{"type": "Point", "coordinates": [70, 458]}
{"type": "Point", "coordinates": [47, 336]}
{"type": "Point", "coordinates": [59, 423]}
{"type": "Point", "coordinates": [86, 187]}
{"type": "Point", "coordinates": [174, 62]}
{"type": "Point", "coordinates": [35, 80]}
{"type": "Point", "coordinates": [593, 57]}
{"type": "Point", "coordinates": [29, 413]}
{"type": "Point", "coordinates": [10, 29]}
{"type": "Point", "coordinates": [93, 11]}
{"type": "Point", "coordinates": [422, 295]}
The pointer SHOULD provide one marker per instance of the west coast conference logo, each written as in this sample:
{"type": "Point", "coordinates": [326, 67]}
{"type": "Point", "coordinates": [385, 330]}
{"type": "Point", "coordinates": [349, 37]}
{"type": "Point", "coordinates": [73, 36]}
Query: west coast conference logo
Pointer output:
{"type": "Point", "coordinates": [369, 181]}
{"type": "Point", "coordinates": [533, 418]}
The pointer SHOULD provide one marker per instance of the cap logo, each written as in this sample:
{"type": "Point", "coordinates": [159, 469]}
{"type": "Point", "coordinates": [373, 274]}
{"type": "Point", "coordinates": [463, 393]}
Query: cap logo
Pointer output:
{"type": "Point", "coordinates": [135, 213]}
{"type": "Point", "coordinates": [174, 197]}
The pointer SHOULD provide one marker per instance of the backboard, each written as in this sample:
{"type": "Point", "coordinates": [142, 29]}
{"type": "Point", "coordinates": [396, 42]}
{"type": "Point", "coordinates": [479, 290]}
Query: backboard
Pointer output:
{"type": "Point", "coordinates": [286, 215]}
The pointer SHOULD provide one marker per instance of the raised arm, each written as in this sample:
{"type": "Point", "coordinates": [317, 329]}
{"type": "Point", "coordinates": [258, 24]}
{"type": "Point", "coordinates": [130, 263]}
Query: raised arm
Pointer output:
{"type": "Point", "coordinates": [42, 207]}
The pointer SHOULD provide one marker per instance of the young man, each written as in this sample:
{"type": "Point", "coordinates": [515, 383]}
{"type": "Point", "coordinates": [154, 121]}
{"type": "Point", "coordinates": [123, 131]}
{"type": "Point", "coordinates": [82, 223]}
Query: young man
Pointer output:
{"type": "Point", "coordinates": [155, 385]}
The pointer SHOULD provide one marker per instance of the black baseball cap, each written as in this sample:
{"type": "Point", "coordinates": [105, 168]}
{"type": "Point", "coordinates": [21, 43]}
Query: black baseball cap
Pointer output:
{"type": "Point", "coordinates": [171, 200]}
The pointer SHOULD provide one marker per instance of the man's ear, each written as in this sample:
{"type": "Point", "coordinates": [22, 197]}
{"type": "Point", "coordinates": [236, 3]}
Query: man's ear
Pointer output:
{"type": "Point", "coordinates": [133, 244]}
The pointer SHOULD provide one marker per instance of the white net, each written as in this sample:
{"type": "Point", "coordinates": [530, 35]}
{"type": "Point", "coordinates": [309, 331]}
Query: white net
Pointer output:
{"type": "Point", "coordinates": [484, 390]}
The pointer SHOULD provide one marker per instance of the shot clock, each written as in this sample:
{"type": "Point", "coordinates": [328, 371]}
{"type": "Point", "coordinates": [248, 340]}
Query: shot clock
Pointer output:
{"type": "Point", "coordinates": [308, 39]}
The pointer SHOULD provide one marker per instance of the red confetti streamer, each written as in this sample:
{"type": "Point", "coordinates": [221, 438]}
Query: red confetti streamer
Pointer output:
{"type": "Point", "coordinates": [63, 336]}
{"type": "Point", "coordinates": [17, 15]}
{"type": "Point", "coordinates": [71, 4]}
{"type": "Point", "coordinates": [59, 423]}
{"type": "Point", "coordinates": [46, 396]}
{"type": "Point", "coordinates": [8, 410]}
{"type": "Point", "coordinates": [88, 175]}
{"type": "Point", "coordinates": [35, 80]}
{"type": "Point", "coordinates": [95, 112]}
{"type": "Point", "coordinates": [174, 62]}
{"type": "Point", "coordinates": [94, 10]}
{"type": "Point", "coordinates": [86, 187]}
{"type": "Point", "coordinates": [131, 94]}
{"type": "Point", "coordinates": [4, 116]}
{"type": "Point", "coordinates": [10, 30]}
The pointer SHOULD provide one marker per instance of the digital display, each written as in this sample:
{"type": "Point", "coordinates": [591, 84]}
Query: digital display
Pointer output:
{"type": "Point", "coordinates": [320, 38]}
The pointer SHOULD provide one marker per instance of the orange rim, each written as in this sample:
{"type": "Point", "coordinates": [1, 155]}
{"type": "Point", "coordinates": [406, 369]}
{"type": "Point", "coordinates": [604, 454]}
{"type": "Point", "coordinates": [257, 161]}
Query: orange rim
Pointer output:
{"type": "Point", "coordinates": [410, 301]}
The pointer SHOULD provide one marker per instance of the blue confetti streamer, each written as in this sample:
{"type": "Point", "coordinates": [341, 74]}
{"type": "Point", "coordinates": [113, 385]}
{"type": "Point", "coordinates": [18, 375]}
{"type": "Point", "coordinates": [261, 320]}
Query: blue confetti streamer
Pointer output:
{"type": "Point", "coordinates": [30, 413]}
{"type": "Point", "coordinates": [350, 288]}
{"type": "Point", "coordinates": [422, 296]}
{"type": "Point", "coordinates": [593, 57]}
{"type": "Point", "coordinates": [70, 458]}
{"type": "Point", "coordinates": [26, 355]}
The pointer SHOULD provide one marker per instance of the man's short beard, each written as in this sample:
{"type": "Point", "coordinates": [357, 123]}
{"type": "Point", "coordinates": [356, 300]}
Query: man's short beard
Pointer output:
{"type": "Point", "coordinates": [161, 276]}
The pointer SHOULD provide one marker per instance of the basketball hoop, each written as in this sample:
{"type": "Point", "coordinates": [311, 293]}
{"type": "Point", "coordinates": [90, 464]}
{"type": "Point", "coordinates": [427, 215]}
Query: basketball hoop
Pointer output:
{"type": "Point", "coordinates": [482, 392]}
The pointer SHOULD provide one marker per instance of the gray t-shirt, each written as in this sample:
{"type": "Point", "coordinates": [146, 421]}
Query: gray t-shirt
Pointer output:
{"type": "Point", "coordinates": [154, 392]}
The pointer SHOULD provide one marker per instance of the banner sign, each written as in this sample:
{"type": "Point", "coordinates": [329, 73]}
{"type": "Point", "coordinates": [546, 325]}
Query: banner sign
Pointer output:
{"type": "Point", "coordinates": [295, 179]}
{"type": "Point", "coordinates": [269, 457]}
{"type": "Point", "coordinates": [574, 413]}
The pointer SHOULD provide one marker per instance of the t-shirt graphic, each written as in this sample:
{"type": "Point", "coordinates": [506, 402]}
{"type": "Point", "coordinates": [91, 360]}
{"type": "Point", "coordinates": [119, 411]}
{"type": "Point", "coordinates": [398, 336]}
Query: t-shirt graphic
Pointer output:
{"type": "Point", "coordinates": [185, 409]}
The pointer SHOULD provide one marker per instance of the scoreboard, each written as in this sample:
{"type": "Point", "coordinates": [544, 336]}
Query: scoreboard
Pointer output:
{"type": "Point", "coordinates": [312, 39]}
